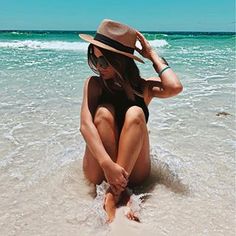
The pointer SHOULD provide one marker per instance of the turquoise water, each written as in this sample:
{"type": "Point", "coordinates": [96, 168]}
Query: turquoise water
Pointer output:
{"type": "Point", "coordinates": [192, 141]}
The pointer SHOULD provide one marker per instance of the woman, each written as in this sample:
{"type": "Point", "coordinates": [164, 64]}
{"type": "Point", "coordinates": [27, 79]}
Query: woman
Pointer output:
{"type": "Point", "coordinates": [114, 111]}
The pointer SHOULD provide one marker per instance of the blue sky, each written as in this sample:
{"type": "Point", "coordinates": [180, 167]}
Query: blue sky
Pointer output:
{"type": "Point", "coordinates": [157, 15]}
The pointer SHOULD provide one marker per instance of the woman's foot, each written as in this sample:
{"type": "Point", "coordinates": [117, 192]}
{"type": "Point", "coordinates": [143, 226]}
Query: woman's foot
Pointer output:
{"type": "Point", "coordinates": [111, 201]}
{"type": "Point", "coordinates": [109, 206]}
{"type": "Point", "coordinates": [130, 214]}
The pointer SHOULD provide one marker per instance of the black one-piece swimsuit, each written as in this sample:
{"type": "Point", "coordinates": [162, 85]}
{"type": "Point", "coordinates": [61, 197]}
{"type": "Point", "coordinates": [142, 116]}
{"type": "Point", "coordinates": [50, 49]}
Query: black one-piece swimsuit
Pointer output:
{"type": "Point", "coordinates": [121, 104]}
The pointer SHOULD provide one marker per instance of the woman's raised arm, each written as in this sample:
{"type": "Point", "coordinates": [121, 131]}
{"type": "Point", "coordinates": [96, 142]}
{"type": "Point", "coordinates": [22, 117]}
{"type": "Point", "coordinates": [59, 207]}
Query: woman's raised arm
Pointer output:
{"type": "Point", "coordinates": [167, 83]}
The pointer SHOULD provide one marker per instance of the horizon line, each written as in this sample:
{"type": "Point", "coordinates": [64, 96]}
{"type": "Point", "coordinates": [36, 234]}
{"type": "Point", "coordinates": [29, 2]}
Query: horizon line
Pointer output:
{"type": "Point", "coordinates": [156, 31]}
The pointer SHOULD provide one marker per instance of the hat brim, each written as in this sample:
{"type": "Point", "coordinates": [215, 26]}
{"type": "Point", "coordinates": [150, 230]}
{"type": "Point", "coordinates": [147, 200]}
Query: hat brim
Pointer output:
{"type": "Point", "coordinates": [91, 40]}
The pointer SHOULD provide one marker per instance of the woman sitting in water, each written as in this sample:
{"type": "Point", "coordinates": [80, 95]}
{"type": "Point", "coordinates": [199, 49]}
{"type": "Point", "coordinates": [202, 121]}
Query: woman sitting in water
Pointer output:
{"type": "Point", "coordinates": [114, 111]}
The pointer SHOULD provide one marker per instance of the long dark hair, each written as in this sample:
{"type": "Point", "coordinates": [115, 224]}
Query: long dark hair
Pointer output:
{"type": "Point", "coordinates": [128, 74]}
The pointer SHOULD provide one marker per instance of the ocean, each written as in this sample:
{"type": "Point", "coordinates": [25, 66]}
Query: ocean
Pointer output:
{"type": "Point", "coordinates": [191, 190]}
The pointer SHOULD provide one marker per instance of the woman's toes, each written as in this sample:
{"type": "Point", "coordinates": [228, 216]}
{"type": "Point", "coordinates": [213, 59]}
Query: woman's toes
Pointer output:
{"type": "Point", "coordinates": [131, 216]}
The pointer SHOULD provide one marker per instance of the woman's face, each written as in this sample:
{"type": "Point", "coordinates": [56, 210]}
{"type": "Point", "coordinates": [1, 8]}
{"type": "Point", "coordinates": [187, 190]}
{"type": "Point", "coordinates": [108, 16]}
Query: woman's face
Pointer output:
{"type": "Point", "coordinates": [105, 73]}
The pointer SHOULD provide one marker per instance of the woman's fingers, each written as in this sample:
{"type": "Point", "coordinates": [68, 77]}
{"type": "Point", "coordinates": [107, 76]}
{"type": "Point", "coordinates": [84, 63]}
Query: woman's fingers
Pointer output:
{"type": "Point", "coordinates": [142, 39]}
{"type": "Point", "coordinates": [140, 36]}
{"type": "Point", "coordinates": [138, 49]}
{"type": "Point", "coordinates": [121, 182]}
{"type": "Point", "coordinates": [146, 49]}
{"type": "Point", "coordinates": [144, 42]}
{"type": "Point", "coordinates": [126, 174]}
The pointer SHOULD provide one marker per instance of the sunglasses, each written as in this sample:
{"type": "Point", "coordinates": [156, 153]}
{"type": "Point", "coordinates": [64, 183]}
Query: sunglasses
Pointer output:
{"type": "Point", "coordinates": [99, 60]}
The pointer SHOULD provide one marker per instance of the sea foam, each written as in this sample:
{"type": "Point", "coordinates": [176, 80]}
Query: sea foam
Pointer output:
{"type": "Point", "coordinates": [51, 45]}
{"type": "Point", "coordinates": [158, 43]}
{"type": "Point", "coordinates": [60, 45]}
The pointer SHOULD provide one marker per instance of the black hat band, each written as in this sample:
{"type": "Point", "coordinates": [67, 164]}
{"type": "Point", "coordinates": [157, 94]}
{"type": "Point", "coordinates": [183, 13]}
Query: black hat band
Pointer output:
{"type": "Point", "coordinates": [110, 42]}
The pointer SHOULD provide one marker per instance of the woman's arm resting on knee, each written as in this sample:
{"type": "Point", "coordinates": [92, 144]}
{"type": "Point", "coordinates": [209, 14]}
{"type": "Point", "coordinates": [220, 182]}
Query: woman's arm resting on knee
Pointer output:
{"type": "Point", "coordinates": [87, 127]}
{"type": "Point", "coordinates": [114, 173]}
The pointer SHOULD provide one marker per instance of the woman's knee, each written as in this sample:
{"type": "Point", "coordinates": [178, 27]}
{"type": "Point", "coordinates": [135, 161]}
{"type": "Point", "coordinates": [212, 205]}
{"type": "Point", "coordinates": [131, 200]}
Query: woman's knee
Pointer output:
{"type": "Point", "coordinates": [135, 115]}
{"type": "Point", "coordinates": [104, 113]}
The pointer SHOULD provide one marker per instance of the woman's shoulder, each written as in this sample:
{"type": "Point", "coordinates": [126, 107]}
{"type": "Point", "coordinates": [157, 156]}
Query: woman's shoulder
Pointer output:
{"type": "Point", "coordinates": [94, 81]}
{"type": "Point", "coordinates": [93, 84]}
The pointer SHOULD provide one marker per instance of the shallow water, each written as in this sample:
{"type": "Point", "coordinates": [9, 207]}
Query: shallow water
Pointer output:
{"type": "Point", "coordinates": [42, 188]}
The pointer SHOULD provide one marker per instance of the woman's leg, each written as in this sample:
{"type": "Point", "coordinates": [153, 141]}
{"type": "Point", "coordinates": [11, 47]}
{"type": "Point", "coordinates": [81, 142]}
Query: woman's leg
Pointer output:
{"type": "Point", "coordinates": [133, 152]}
{"type": "Point", "coordinates": [104, 121]}
{"type": "Point", "coordinates": [133, 155]}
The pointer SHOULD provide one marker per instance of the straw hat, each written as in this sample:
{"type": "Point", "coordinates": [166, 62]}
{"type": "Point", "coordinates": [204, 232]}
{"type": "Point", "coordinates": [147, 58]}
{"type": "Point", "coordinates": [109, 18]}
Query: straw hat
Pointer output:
{"type": "Point", "coordinates": [115, 37]}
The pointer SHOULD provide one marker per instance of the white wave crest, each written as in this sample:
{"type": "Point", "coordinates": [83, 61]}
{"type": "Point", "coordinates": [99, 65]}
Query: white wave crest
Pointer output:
{"type": "Point", "coordinates": [158, 43]}
{"type": "Point", "coordinates": [54, 45]}
{"type": "Point", "coordinates": [63, 45]}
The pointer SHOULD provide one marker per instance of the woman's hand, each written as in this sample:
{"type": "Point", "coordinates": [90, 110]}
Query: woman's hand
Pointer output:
{"type": "Point", "coordinates": [146, 50]}
{"type": "Point", "coordinates": [116, 176]}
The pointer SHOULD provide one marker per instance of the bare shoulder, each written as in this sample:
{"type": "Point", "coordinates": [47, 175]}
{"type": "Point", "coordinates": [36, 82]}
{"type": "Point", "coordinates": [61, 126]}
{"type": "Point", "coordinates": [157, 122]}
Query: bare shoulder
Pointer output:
{"type": "Point", "coordinates": [92, 92]}
{"type": "Point", "coordinates": [92, 87]}
{"type": "Point", "coordinates": [93, 83]}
